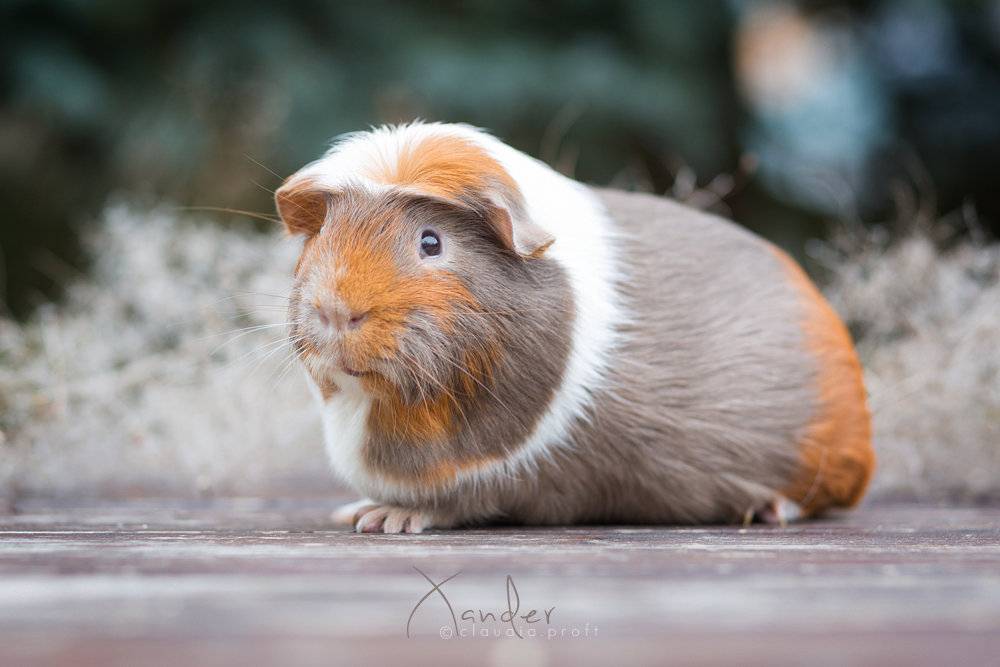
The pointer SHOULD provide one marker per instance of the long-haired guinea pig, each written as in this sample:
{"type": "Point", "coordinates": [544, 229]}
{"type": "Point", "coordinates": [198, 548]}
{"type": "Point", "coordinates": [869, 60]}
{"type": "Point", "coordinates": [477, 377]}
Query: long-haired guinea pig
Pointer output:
{"type": "Point", "coordinates": [490, 341]}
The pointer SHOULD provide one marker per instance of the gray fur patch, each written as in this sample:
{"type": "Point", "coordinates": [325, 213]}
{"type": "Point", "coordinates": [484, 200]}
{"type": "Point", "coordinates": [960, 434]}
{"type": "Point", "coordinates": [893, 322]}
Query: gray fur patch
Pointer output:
{"type": "Point", "coordinates": [710, 392]}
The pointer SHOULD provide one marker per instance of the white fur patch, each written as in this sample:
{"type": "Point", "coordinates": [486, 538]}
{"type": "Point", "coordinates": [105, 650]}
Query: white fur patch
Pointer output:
{"type": "Point", "coordinates": [585, 245]}
{"type": "Point", "coordinates": [344, 416]}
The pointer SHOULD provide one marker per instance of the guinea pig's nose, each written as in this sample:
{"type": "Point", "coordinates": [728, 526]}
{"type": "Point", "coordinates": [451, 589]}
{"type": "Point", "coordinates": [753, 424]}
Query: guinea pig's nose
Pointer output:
{"type": "Point", "coordinates": [340, 317]}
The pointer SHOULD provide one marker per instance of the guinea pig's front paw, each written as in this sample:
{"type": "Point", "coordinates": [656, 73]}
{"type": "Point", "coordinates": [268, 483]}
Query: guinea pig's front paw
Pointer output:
{"type": "Point", "coordinates": [393, 519]}
{"type": "Point", "coordinates": [368, 516]}
{"type": "Point", "coordinates": [350, 513]}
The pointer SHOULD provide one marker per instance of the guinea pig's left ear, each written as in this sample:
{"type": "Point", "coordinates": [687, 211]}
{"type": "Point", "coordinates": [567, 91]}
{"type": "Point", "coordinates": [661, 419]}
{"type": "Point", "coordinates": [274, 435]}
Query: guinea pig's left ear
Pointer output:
{"type": "Point", "coordinates": [518, 231]}
{"type": "Point", "coordinates": [302, 206]}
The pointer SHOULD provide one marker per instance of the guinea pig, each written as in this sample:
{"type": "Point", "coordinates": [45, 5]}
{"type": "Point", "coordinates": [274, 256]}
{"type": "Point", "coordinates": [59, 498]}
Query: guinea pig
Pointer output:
{"type": "Point", "coordinates": [492, 342]}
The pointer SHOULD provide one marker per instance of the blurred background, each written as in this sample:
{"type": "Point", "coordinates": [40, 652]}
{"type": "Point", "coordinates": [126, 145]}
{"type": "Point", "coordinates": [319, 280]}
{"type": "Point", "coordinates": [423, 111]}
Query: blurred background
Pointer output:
{"type": "Point", "coordinates": [141, 325]}
{"type": "Point", "coordinates": [836, 109]}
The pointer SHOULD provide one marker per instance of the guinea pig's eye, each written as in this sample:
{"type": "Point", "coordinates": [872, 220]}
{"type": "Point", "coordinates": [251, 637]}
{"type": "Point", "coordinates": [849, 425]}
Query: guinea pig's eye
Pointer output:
{"type": "Point", "coordinates": [430, 244]}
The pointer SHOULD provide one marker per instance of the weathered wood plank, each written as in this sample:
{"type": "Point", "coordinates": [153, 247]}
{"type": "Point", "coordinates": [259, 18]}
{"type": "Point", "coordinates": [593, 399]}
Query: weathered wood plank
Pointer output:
{"type": "Point", "coordinates": [253, 581]}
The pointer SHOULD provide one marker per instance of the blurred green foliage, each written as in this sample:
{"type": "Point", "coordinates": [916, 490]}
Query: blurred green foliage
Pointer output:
{"type": "Point", "coordinates": [211, 103]}
{"type": "Point", "coordinates": [183, 98]}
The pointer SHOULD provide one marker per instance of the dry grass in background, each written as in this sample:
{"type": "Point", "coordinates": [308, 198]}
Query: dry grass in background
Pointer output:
{"type": "Point", "coordinates": [126, 385]}
{"type": "Point", "coordinates": [927, 325]}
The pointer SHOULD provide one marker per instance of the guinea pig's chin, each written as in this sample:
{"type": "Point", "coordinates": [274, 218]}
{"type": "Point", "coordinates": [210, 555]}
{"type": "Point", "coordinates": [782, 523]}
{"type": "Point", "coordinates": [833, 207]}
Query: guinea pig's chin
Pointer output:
{"type": "Point", "coordinates": [324, 374]}
{"type": "Point", "coordinates": [348, 382]}
{"type": "Point", "coordinates": [333, 370]}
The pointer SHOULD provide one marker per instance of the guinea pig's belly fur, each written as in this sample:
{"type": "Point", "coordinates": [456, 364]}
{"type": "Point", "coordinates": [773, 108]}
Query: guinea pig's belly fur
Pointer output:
{"type": "Point", "coordinates": [717, 397]}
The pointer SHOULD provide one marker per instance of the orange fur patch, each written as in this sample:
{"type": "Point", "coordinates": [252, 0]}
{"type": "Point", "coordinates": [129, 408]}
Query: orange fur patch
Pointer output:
{"type": "Point", "coordinates": [447, 167]}
{"type": "Point", "coordinates": [433, 423]}
{"type": "Point", "coordinates": [456, 170]}
{"type": "Point", "coordinates": [837, 457]}
{"type": "Point", "coordinates": [479, 365]}
{"type": "Point", "coordinates": [430, 425]}
{"type": "Point", "coordinates": [328, 389]}
{"type": "Point", "coordinates": [427, 422]}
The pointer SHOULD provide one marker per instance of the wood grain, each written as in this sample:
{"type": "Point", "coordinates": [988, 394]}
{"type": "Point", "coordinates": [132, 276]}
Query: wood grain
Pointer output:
{"type": "Point", "coordinates": [256, 582]}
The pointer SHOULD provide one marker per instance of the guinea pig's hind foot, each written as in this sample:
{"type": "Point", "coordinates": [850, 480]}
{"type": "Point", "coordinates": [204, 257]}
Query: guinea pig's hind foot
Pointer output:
{"type": "Point", "coordinates": [780, 511]}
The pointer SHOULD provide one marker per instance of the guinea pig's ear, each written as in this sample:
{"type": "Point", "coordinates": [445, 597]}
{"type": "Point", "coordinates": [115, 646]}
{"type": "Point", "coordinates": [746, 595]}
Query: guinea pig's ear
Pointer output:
{"type": "Point", "coordinates": [302, 206]}
{"type": "Point", "coordinates": [518, 231]}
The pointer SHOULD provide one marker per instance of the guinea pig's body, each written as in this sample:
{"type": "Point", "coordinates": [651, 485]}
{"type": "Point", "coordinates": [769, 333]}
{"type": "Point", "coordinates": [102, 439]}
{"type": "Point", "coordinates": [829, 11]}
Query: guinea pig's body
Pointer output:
{"type": "Point", "coordinates": [491, 341]}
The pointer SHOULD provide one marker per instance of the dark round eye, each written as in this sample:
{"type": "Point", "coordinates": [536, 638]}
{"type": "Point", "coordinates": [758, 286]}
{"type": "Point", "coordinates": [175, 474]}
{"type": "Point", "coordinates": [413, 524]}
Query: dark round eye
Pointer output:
{"type": "Point", "coordinates": [430, 244]}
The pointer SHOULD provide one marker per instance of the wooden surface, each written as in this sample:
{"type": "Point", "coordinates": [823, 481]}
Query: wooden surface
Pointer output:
{"type": "Point", "coordinates": [256, 582]}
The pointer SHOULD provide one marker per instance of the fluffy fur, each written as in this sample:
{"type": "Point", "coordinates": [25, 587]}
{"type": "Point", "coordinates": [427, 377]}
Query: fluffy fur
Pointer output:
{"type": "Point", "coordinates": [572, 355]}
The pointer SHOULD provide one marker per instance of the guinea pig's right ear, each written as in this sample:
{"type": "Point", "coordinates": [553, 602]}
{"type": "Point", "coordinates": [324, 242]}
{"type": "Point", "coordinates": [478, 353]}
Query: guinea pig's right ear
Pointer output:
{"type": "Point", "coordinates": [302, 206]}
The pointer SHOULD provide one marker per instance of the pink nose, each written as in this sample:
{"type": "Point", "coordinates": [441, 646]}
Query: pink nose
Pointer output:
{"type": "Point", "coordinates": [340, 317]}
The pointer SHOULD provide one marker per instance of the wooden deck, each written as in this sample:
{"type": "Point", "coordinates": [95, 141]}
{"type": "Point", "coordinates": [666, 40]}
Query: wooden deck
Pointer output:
{"type": "Point", "coordinates": [256, 582]}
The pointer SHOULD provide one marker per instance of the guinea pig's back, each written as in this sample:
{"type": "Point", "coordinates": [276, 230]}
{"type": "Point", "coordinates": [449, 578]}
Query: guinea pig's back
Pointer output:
{"type": "Point", "coordinates": [733, 378]}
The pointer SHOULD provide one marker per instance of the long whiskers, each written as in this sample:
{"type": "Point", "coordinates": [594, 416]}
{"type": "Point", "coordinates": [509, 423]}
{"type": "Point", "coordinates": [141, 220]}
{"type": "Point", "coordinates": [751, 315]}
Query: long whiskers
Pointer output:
{"type": "Point", "coordinates": [266, 357]}
{"type": "Point", "coordinates": [267, 169]}
{"type": "Point", "coordinates": [427, 374]}
{"type": "Point", "coordinates": [447, 392]}
{"type": "Point", "coordinates": [484, 387]}
{"type": "Point", "coordinates": [241, 333]}
{"type": "Point", "coordinates": [273, 342]}
{"type": "Point", "coordinates": [240, 295]}
{"type": "Point", "coordinates": [516, 312]}
{"type": "Point", "coordinates": [261, 216]}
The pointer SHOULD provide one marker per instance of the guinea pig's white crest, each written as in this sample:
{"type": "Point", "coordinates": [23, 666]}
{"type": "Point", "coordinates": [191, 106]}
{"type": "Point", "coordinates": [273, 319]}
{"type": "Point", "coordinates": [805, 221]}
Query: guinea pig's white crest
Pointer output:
{"type": "Point", "coordinates": [547, 213]}
{"type": "Point", "coordinates": [447, 161]}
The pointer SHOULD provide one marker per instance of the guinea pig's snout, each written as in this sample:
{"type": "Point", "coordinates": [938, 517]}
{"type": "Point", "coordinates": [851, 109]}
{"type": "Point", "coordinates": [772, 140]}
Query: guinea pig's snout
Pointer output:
{"type": "Point", "coordinates": [339, 316]}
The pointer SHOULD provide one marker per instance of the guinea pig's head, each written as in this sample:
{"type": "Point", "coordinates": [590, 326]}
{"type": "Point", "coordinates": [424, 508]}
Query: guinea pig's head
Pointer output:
{"type": "Point", "coordinates": [419, 274]}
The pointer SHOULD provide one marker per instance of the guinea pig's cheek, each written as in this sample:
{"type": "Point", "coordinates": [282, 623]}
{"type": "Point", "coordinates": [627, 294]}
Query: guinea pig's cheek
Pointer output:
{"type": "Point", "coordinates": [380, 337]}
